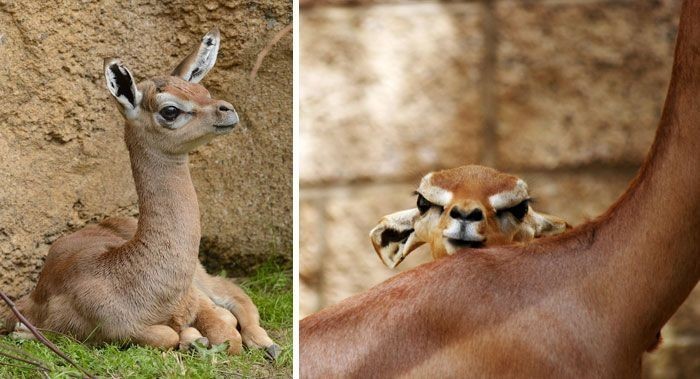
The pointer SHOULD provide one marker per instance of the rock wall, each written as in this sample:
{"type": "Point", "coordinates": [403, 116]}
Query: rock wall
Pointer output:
{"type": "Point", "coordinates": [567, 94]}
{"type": "Point", "coordinates": [64, 163]}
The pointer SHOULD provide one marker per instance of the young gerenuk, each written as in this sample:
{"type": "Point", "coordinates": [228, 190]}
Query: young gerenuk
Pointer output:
{"type": "Point", "coordinates": [141, 281]}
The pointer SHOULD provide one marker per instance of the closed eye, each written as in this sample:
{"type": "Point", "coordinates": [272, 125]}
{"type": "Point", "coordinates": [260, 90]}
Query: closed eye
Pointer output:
{"type": "Point", "coordinates": [518, 211]}
{"type": "Point", "coordinates": [424, 205]}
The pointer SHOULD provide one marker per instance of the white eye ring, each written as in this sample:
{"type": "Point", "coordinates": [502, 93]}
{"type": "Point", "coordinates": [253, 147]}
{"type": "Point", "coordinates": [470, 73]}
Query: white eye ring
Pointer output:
{"type": "Point", "coordinates": [181, 120]}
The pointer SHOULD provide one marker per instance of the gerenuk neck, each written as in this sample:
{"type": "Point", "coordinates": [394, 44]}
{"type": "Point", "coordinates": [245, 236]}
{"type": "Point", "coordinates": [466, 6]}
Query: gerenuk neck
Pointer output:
{"type": "Point", "coordinates": [651, 241]}
{"type": "Point", "coordinates": [169, 223]}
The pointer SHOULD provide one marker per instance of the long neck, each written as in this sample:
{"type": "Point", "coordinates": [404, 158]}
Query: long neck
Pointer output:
{"type": "Point", "coordinates": [651, 241]}
{"type": "Point", "coordinates": [168, 230]}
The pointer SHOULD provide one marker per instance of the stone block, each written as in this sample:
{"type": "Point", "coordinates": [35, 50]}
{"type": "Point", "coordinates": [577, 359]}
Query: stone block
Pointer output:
{"type": "Point", "coordinates": [581, 82]}
{"type": "Point", "coordinates": [389, 91]}
{"type": "Point", "coordinates": [680, 360]}
{"type": "Point", "coordinates": [306, 4]}
{"type": "Point", "coordinates": [350, 263]}
{"type": "Point", "coordinates": [577, 196]}
{"type": "Point", "coordinates": [309, 299]}
{"type": "Point", "coordinates": [685, 323]}
{"type": "Point", "coordinates": [679, 354]}
{"type": "Point", "coordinates": [311, 244]}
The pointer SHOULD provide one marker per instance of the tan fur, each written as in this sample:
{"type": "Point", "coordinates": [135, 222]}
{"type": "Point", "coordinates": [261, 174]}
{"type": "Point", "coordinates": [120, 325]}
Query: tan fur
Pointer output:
{"type": "Point", "coordinates": [585, 304]}
{"type": "Point", "coordinates": [223, 292]}
{"type": "Point", "coordinates": [190, 335]}
{"type": "Point", "coordinates": [124, 279]}
{"type": "Point", "coordinates": [218, 324]}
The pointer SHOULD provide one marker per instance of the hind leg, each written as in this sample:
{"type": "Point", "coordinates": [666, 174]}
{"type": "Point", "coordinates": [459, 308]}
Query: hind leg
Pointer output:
{"type": "Point", "coordinates": [218, 325]}
{"type": "Point", "coordinates": [10, 324]}
{"type": "Point", "coordinates": [160, 336]}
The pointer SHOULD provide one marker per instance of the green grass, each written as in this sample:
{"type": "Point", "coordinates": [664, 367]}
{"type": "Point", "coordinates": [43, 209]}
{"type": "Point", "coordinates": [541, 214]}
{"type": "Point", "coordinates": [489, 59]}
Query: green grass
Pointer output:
{"type": "Point", "coordinates": [271, 290]}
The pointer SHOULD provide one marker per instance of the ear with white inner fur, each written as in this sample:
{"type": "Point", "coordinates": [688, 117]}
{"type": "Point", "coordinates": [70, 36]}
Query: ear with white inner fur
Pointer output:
{"type": "Point", "coordinates": [546, 225]}
{"type": "Point", "coordinates": [122, 86]}
{"type": "Point", "coordinates": [201, 60]}
{"type": "Point", "coordinates": [394, 238]}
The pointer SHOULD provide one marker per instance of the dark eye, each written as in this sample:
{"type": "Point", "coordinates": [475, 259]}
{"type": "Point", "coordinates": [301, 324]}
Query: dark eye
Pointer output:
{"type": "Point", "coordinates": [423, 204]}
{"type": "Point", "coordinates": [169, 113]}
{"type": "Point", "coordinates": [519, 211]}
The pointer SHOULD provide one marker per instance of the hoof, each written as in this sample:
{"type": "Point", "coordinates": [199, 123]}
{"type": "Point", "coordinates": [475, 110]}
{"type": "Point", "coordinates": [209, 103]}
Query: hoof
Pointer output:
{"type": "Point", "coordinates": [203, 341]}
{"type": "Point", "coordinates": [22, 332]}
{"type": "Point", "coordinates": [199, 343]}
{"type": "Point", "coordinates": [272, 352]}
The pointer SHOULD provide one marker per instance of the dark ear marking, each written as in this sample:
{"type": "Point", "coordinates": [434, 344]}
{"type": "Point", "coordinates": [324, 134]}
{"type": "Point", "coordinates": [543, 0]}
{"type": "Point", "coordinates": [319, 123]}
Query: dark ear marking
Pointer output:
{"type": "Point", "coordinates": [392, 235]}
{"type": "Point", "coordinates": [124, 84]}
{"type": "Point", "coordinates": [198, 63]}
{"type": "Point", "coordinates": [122, 87]}
{"type": "Point", "coordinates": [193, 74]}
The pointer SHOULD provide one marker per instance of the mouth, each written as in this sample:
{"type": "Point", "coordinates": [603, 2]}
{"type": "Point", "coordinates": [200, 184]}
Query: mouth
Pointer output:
{"type": "Point", "coordinates": [466, 243]}
{"type": "Point", "coordinates": [224, 128]}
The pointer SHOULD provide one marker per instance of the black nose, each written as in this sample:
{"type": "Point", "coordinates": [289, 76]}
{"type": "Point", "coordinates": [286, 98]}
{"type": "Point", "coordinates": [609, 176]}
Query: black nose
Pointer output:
{"type": "Point", "coordinates": [472, 215]}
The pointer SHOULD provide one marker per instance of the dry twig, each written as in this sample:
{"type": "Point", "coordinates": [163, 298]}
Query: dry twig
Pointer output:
{"type": "Point", "coordinates": [40, 336]}
{"type": "Point", "coordinates": [268, 47]}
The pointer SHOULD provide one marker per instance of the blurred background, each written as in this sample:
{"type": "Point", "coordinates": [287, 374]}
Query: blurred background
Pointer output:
{"type": "Point", "coordinates": [564, 93]}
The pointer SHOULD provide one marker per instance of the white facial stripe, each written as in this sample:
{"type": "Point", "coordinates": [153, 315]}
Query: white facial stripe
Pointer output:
{"type": "Point", "coordinates": [165, 99]}
{"type": "Point", "coordinates": [510, 198]}
{"type": "Point", "coordinates": [434, 194]}
{"type": "Point", "coordinates": [178, 123]}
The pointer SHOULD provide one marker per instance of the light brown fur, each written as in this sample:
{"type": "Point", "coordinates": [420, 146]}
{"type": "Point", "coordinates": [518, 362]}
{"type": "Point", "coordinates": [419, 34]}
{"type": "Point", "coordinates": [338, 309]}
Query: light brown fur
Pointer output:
{"type": "Point", "coordinates": [141, 281]}
{"type": "Point", "coordinates": [585, 304]}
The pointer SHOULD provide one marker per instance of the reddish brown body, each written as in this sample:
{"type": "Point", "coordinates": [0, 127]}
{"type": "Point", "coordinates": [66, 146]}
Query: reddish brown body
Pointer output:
{"type": "Point", "coordinates": [587, 303]}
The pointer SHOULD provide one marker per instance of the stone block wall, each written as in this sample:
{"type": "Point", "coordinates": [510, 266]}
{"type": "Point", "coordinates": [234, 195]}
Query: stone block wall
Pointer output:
{"type": "Point", "coordinates": [64, 162]}
{"type": "Point", "coordinates": [565, 93]}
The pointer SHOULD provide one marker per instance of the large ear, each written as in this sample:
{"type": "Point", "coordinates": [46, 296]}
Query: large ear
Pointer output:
{"type": "Point", "coordinates": [394, 238]}
{"type": "Point", "coordinates": [201, 60]}
{"type": "Point", "coordinates": [122, 86]}
{"type": "Point", "coordinates": [546, 225]}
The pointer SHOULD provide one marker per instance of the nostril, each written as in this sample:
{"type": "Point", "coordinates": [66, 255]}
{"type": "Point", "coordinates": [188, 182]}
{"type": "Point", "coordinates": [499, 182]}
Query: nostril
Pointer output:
{"type": "Point", "coordinates": [223, 108]}
{"type": "Point", "coordinates": [474, 215]}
